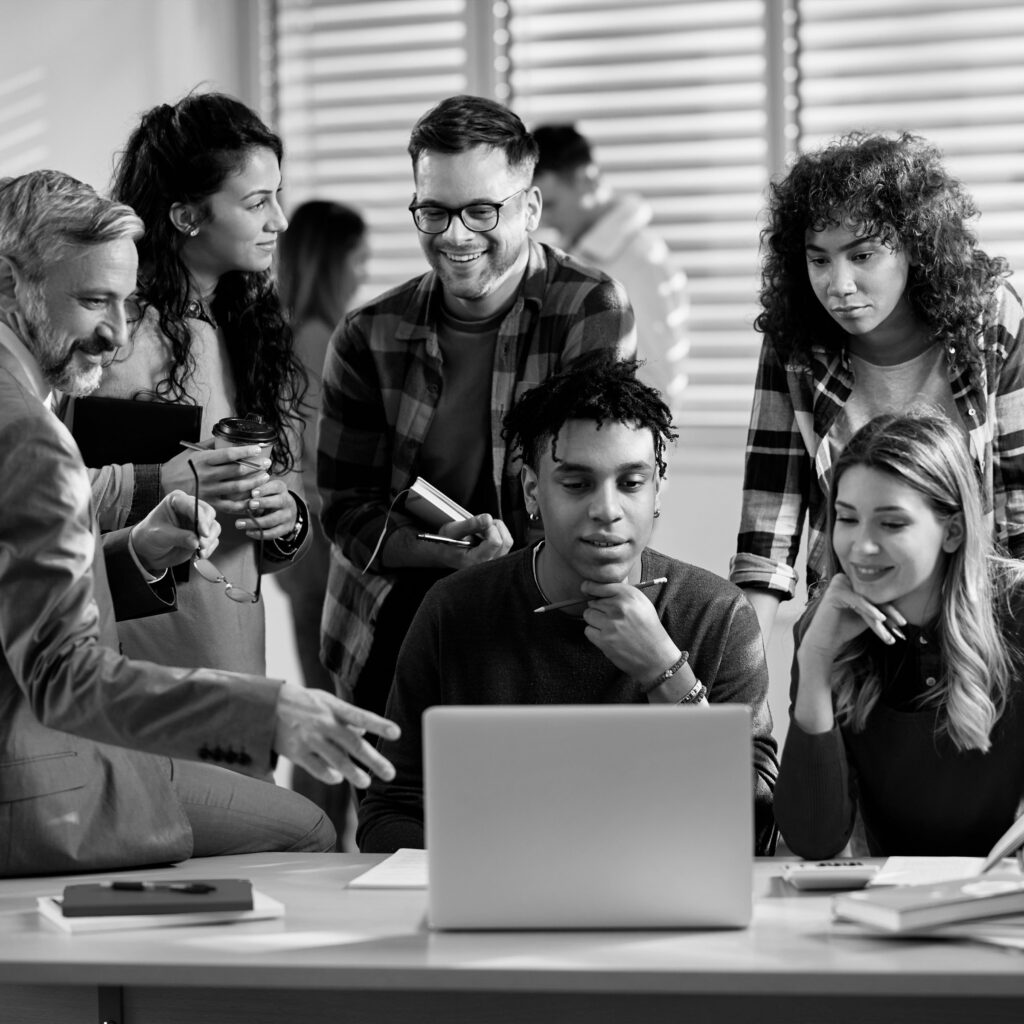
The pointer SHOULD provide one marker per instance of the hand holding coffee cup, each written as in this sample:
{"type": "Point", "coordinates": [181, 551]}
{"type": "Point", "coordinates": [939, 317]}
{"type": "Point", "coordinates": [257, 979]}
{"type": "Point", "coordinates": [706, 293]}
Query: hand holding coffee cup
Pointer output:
{"type": "Point", "coordinates": [269, 510]}
{"type": "Point", "coordinates": [228, 473]}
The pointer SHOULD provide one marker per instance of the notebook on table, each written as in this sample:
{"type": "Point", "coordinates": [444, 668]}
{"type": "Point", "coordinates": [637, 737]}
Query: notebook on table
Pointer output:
{"type": "Point", "coordinates": [584, 816]}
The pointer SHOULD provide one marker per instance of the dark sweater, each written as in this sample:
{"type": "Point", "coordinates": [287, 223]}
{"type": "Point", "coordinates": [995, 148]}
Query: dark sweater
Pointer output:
{"type": "Point", "coordinates": [917, 794]}
{"type": "Point", "coordinates": [476, 640]}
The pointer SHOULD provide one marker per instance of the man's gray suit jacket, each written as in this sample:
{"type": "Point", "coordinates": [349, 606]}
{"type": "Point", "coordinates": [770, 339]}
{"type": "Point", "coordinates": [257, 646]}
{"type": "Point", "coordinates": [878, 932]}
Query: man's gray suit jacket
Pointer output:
{"type": "Point", "coordinates": [85, 734]}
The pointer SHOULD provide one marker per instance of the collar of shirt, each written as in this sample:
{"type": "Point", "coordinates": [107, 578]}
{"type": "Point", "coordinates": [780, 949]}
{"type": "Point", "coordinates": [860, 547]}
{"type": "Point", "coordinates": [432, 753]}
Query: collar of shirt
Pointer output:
{"type": "Point", "coordinates": [10, 341]}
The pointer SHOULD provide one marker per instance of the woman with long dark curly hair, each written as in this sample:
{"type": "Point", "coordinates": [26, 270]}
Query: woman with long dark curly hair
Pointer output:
{"type": "Point", "coordinates": [204, 175]}
{"type": "Point", "coordinates": [874, 296]}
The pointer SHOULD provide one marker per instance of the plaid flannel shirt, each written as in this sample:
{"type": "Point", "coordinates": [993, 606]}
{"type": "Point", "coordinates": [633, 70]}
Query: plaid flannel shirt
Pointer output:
{"type": "Point", "coordinates": [789, 462]}
{"type": "Point", "coordinates": [382, 380]}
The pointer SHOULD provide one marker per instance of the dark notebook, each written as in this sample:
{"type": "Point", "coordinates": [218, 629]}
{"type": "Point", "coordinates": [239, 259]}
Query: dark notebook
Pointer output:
{"type": "Point", "coordinates": [98, 900]}
{"type": "Point", "coordinates": [117, 431]}
{"type": "Point", "coordinates": [113, 431]}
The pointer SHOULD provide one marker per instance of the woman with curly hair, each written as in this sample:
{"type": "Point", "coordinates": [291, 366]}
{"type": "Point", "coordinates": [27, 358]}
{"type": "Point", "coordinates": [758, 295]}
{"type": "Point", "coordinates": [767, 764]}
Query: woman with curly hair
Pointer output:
{"type": "Point", "coordinates": [204, 175]}
{"type": "Point", "coordinates": [906, 701]}
{"type": "Point", "coordinates": [875, 295]}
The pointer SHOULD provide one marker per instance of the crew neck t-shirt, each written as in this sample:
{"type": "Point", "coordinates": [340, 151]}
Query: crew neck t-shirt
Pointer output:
{"type": "Point", "coordinates": [921, 383]}
{"type": "Point", "coordinates": [456, 453]}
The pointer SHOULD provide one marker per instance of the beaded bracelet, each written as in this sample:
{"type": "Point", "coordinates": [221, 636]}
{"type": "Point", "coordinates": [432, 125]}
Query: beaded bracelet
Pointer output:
{"type": "Point", "coordinates": [668, 673]}
{"type": "Point", "coordinates": [695, 696]}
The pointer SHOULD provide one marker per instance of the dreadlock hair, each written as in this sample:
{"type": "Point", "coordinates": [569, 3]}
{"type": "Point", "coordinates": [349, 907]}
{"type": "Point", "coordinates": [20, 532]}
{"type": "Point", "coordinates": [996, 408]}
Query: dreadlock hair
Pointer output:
{"type": "Point", "coordinates": [183, 154]}
{"type": "Point", "coordinates": [898, 190]}
{"type": "Point", "coordinates": [595, 386]}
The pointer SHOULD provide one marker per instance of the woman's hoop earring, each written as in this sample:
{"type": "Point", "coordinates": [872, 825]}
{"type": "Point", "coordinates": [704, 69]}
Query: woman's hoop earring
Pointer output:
{"type": "Point", "coordinates": [657, 513]}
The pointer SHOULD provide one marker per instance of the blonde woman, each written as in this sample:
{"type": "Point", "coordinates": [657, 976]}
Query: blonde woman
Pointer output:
{"type": "Point", "coordinates": [905, 694]}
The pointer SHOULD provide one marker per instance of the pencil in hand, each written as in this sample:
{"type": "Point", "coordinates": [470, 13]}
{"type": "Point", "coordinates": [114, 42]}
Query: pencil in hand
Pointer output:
{"type": "Point", "coordinates": [642, 585]}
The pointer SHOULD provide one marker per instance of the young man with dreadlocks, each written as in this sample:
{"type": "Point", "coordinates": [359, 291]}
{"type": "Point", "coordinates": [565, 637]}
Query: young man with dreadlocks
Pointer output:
{"type": "Point", "coordinates": [593, 440]}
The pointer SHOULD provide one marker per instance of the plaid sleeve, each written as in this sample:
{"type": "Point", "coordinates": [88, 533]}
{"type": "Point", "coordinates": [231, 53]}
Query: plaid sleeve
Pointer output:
{"type": "Point", "coordinates": [776, 484]}
{"type": "Point", "coordinates": [1004, 345]}
{"type": "Point", "coordinates": [353, 446]}
{"type": "Point", "coordinates": [604, 320]}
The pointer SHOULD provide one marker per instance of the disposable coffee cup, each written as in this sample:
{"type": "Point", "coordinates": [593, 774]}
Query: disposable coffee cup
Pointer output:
{"type": "Point", "coordinates": [233, 431]}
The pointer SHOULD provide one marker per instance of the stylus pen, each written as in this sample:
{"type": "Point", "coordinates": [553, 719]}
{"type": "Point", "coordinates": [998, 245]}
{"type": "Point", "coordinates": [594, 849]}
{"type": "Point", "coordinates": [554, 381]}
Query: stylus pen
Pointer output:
{"type": "Point", "coordinates": [200, 448]}
{"type": "Point", "coordinates": [643, 585]}
{"type": "Point", "coordinates": [438, 539]}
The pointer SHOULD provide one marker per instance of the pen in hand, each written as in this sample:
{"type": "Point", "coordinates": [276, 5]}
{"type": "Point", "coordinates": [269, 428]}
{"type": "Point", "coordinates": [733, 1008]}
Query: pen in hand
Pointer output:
{"type": "Point", "coordinates": [643, 585]}
{"type": "Point", "coordinates": [436, 538]}
{"type": "Point", "coordinates": [192, 888]}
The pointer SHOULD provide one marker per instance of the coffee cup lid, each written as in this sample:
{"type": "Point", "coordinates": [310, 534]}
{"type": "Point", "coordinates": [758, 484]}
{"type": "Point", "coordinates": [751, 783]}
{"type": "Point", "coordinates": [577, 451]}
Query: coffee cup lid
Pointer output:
{"type": "Point", "coordinates": [245, 430]}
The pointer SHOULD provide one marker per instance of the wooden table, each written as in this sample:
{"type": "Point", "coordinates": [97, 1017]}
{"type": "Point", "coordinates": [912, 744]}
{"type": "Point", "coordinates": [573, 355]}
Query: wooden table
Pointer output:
{"type": "Point", "coordinates": [347, 955]}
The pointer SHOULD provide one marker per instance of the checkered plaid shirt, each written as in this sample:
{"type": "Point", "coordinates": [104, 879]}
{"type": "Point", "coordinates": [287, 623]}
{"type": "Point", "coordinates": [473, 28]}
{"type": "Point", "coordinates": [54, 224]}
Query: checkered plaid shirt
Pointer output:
{"type": "Point", "coordinates": [789, 463]}
{"type": "Point", "coordinates": [382, 379]}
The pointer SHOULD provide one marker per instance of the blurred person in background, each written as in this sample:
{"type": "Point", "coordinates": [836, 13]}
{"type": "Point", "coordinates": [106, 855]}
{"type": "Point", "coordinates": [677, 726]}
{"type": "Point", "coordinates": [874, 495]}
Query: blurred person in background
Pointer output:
{"type": "Point", "coordinates": [322, 262]}
{"type": "Point", "coordinates": [612, 232]}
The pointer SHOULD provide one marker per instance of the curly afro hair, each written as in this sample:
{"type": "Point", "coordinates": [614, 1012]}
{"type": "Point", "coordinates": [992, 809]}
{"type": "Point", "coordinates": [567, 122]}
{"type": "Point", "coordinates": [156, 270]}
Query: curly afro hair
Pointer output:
{"type": "Point", "coordinates": [595, 386]}
{"type": "Point", "coordinates": [898, 190]}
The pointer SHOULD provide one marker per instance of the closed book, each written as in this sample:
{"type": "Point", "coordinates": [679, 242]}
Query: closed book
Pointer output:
{"type": "Point", "coordinates": [432, 506]}
{"type": "Point", "coordinates": [913, 907]}
{"type": "Point", "coordinates": [263, 908]}
{"type": "Point", "coordinates": [97, 899]}
{"type": "Point", "coordinates": [115, 431]}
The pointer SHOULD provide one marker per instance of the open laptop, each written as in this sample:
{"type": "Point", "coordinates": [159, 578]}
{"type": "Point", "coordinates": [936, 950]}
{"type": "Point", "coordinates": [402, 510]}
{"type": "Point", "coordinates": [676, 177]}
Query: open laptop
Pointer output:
{"type": "Point", "coordinates": [588, 816]}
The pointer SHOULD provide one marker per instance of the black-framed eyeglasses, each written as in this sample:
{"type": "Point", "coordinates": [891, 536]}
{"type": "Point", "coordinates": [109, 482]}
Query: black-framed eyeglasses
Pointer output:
{"type": "Point", "coordinates": [212, 574]}
{"type": "Point", "coordinates": [434, 220]}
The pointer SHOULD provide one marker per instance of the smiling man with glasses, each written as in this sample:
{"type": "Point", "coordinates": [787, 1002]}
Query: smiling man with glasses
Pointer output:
{"type": "Point", "coordinates": [416, 383]}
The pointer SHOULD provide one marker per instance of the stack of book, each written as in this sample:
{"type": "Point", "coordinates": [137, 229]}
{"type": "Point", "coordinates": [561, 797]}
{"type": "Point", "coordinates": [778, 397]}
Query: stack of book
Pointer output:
{"type": "Point", "coordinates": [106, 906]}
{"type": "Point", "coordinates": [914, 908]}
{"type": "Point", "coordinates": [986, 904]}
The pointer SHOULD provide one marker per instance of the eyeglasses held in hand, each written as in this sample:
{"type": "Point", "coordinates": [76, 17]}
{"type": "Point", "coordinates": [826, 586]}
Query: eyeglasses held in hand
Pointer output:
{"type": "Point", "coordinates": [434, 220]}
{"type": "Point", "coordinates": [212, 574]}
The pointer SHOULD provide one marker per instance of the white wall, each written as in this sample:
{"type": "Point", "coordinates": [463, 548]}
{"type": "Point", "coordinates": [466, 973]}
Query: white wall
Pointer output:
{"type": "Point", "coordinates": [76, 74]}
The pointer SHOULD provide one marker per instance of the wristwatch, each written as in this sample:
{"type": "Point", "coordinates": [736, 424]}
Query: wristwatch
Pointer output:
{"type": "Point", "coordinates": [296, 531]}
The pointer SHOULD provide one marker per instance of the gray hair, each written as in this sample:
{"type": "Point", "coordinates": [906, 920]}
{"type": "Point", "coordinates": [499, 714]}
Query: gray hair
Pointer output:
{"type": "Point", "coordinates": [44, 214]}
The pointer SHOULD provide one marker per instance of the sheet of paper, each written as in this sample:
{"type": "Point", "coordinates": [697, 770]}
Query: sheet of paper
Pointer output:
{"type": "Point", "coordinates": [404, 869]}
{"type": "Point", "coordinates": [925, 870]}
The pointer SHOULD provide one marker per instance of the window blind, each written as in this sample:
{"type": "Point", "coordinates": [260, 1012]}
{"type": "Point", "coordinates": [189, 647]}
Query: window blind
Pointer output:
{"type": "Point", "coordinates": [672, 96]}
{"type": "Point", "coordinates": [946, 70]}
{"type": "Point", "coordinates": [691, 103]}
{"type": "Point", "coordinates": [352, 78]}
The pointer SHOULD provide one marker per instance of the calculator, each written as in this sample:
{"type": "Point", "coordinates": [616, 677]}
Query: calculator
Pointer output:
{"type": "Point", "coordinates": [829, 874]}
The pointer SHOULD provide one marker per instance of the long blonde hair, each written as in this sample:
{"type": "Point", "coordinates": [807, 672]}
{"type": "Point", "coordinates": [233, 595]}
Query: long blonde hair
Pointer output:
{"type": "Point", "coordinates": [928, 453]}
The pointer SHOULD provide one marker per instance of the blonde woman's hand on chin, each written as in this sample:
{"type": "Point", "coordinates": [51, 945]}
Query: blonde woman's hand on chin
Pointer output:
{"type": "Point", "coordinates": [840, 615]}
